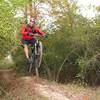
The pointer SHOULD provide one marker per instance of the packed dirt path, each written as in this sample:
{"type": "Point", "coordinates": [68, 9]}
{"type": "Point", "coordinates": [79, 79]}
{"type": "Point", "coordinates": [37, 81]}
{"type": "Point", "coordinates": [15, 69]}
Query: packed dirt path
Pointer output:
{"type": "Point", "coordinates": [16, 87]}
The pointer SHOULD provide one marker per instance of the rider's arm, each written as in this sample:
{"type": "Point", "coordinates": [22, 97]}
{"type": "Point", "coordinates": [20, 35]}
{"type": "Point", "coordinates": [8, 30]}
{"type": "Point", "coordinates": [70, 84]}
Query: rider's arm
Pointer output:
{"type": "Point", "coordinates": [23, 31]}
{"type": "Point", "coordinates": [37, 30]}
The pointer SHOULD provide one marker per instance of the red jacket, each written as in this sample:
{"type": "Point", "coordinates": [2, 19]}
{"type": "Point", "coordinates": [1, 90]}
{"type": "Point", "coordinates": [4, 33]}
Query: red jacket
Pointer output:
{"type": "Point", "coordinates": [28, 29]}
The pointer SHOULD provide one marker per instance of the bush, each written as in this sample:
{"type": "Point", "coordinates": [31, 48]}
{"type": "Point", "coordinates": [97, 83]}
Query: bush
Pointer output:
{"type": "Point", "coordinates": [89, 70]}
{"type": "Point", "coordinates": [92, 74]}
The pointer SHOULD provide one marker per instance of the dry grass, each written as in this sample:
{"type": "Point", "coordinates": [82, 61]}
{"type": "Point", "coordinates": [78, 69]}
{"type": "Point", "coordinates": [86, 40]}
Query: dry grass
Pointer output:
{"type": "Point", "coordinates": [87, 93]}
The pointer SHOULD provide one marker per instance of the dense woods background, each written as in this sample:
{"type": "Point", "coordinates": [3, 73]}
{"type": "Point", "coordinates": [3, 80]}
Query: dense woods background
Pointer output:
{"type": "Point", "coordinates": [72, 50]}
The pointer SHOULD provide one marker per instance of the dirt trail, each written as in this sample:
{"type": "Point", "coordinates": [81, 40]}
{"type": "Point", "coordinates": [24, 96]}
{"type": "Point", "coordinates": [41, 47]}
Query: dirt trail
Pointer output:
{"type": "Point", "coordinates": [28, 88]}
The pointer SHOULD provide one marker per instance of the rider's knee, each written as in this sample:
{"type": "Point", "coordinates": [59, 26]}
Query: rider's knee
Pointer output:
{"type": "Point", "coordinates": [25, 46]}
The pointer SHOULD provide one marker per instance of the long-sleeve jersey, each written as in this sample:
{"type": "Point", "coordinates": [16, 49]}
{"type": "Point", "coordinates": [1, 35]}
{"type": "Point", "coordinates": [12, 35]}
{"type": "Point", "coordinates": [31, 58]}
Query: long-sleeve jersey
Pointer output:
{"type": "Point", "coordinates": [28, 29]}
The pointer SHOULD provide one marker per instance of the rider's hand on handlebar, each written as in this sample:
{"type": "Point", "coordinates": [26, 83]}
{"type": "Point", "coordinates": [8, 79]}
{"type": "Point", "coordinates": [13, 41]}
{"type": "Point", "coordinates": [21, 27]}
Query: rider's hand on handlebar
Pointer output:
{"type": "Point", "coordinates": [31, 34]}
{"type": "Point", "coordinates": [37, 35]}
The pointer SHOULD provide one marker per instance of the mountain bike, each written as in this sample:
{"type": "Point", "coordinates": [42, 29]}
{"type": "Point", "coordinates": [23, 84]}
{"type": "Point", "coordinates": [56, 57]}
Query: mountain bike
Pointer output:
{"type": "Point", "coordinates": [35, 56]}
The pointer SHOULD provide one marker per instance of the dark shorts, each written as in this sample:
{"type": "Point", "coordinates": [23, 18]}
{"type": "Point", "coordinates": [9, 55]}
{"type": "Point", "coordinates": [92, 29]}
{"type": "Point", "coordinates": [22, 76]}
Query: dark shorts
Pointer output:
{"type": "Point", "coordinates": [27, 42]}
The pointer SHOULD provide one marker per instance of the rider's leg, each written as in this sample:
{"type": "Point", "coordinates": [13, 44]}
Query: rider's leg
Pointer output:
{"type": "Point", "coordinates": [26, 50]}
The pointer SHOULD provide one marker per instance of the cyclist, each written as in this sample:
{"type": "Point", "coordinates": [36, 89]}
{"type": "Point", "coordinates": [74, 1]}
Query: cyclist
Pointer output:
{"type": "Point", "coordinates": [27, 37]}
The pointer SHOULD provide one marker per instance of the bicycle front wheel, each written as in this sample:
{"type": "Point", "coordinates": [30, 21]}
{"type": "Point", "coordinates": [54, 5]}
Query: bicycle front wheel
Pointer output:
{"type": "Point", "coordinates": [38, 59]}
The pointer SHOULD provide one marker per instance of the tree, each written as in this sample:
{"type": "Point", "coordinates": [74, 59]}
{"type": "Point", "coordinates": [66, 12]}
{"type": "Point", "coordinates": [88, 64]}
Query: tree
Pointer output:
{"type": "Point", "coordinates": [8, 24]}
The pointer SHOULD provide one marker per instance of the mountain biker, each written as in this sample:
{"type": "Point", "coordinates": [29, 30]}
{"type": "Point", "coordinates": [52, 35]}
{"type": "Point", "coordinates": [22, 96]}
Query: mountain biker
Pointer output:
{"type": "Point", "coordinates": [27, 37]}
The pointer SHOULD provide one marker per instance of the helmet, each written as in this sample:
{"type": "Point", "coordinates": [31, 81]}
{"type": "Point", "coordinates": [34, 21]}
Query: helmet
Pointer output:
{"type": "Point", "coordinates": [32, 20]}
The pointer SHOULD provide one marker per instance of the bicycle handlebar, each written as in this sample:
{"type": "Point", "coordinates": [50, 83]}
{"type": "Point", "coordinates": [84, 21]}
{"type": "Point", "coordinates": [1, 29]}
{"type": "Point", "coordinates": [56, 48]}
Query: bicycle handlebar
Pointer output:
{"type": "Point", "coordinates": [37, 35]}
{"type": "Point", "coordinates": [33, 34]}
